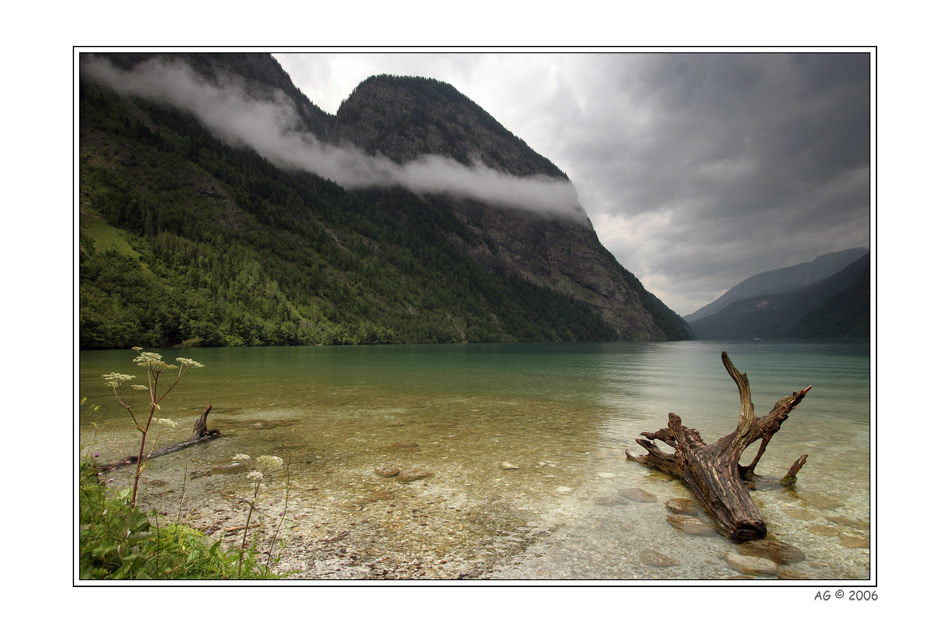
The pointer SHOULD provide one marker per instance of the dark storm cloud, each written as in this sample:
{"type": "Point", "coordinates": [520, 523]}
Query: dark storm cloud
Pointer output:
{"type": "Point", "coordinates": [725, 165]}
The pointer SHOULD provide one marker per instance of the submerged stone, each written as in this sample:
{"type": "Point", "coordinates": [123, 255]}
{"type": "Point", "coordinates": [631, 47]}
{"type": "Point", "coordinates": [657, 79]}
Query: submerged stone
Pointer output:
{"type": "Point", "coordinates": [636, 494]}
{"type": "Point", "coordinates": [776, 551]}
{"type": "Point", "coordinates": [751, 565]}
{"type": "Point", "coordinates": [412, 475]}
{"type": "Point", "coordinates": [508, 466]}
{"type": "Point", "coordinates": [851, 523]}
{"type": "Point", "coordinates": [823, 530]}
{"type": "Point", "coordinates": [656, 559]}
{"type": "Point", "coordinates": [691, 525]}
{"type": "Point", "coordinates": [799, 513]}
{"type": "Point", "coordinates": [386, 471]}
{"type": "Point", "coordinates": [854, 542]}
{"type": "Point", "coordinates": [790, 574]}
{"type": "Point", "coordinates": [611, 500]}
{"type": "Point", "coordinates": [822, 502]}
{"type": "Point", "coordinates": [678, 505]}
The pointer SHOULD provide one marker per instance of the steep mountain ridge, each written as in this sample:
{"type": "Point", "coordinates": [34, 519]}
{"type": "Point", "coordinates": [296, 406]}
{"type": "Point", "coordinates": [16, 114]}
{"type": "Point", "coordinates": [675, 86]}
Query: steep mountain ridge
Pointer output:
{"type": "Point", "coordinates": [407, 117]}
{"type": "Point", "coordinates": [234, 251]}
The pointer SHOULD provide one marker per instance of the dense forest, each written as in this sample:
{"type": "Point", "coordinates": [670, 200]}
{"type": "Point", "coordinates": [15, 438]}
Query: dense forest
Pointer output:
{"type": "Point", "coordinates": [187, 241]}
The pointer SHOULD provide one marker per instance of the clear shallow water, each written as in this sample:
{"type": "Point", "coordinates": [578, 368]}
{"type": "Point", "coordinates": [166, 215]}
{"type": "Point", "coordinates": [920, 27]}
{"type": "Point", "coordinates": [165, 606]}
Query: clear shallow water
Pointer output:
{"type": "Point", "coordinates": [563, 414]}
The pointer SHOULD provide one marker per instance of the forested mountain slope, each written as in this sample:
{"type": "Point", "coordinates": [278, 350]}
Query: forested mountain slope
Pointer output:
{"type": "Point", "coordinates": [189, 238]}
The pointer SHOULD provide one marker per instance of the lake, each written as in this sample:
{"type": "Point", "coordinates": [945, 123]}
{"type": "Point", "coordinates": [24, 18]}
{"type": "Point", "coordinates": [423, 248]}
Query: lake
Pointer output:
{"type": "Point", "coordinates": [524, 446]}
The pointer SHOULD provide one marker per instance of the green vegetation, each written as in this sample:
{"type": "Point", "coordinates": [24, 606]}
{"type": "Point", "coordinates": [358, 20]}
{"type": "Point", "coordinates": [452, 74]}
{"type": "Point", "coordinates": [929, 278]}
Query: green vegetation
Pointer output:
{"type": "Point", "coordinates": [120, 542]}
{"type": "Point", "coordinates": [185, 241]}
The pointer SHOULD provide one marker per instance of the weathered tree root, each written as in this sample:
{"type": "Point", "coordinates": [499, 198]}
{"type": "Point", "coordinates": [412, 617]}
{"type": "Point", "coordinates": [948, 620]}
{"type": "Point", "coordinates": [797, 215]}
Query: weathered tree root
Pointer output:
{"type": "Point", "coordinates": [200, 434]}
{"type": "Point", "coordinates": [712, 472]}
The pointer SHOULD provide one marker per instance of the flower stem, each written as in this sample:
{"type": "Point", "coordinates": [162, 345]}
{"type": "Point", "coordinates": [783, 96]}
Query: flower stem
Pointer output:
{"type": "Point", "coordinates": [257, 486]}
{"type": "Point", "coordinates": [270, 550]}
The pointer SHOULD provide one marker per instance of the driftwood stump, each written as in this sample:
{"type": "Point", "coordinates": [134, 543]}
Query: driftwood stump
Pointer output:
{"type": "Point", "coordinates": [200, 433]}
{"type": "Point", "coordinates": [712, 472]}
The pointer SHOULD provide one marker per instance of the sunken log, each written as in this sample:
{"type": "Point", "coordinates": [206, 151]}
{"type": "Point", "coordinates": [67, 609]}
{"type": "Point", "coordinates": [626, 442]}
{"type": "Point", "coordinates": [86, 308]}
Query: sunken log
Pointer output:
{"type": "Point", "coordinates": [200, 433]}
{"type": "Point", "coordinates": [712, 471]}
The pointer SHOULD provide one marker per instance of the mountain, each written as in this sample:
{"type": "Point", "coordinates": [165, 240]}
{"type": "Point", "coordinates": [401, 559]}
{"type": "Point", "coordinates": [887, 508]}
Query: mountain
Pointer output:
{"type": "Point", "coordinates": [837, 306]}
{"type": "Point", "coordinates": [782, 280]}
{"type": "Point", "coordinates": [194, 231]}
{"type": "Point", "coordinates": [846, 314]}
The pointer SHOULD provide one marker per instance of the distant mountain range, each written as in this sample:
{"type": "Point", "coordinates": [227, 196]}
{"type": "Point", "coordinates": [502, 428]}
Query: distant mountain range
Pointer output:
{"type": "Point", "coordinates": [834, 304]}
{"type": "Point", "coordinates": [781, 280]}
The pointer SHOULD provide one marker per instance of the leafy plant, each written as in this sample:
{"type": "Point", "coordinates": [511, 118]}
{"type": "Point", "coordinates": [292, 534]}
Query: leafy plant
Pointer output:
{"type": "Point", "coordinates": [117, 541]}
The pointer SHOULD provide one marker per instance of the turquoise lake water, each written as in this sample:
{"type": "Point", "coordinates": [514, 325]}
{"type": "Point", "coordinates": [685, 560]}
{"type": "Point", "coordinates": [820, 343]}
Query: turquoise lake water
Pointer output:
{"type": "Point", "coordinates": [563, 414]}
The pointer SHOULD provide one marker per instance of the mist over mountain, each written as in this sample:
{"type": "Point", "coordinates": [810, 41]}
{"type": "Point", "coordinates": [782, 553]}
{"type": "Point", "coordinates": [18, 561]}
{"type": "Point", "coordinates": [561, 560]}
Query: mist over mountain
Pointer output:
{"type": "Point", "coordinates": [275, 126]}
{"type": "Point", "coordinates": [220, 207]}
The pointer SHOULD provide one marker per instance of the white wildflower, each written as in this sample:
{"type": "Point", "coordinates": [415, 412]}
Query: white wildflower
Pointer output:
{"type": "Point", "coordinates": [137, 348]}
{"type": "Point", "coordinates": [140, 387]}
{"type": "Point", "coordinates": [153, 361]}
{"type": "Point", "coordinates": [255, 476]}
{"type": "Point", "coordinates": [187, 362]}
{"type": "Point", "coordinates": [271, 462]}
{"type": "Point", "coordinates": [169, 424]}
{"type": "Point", "coordinates": [241, 457]}
{"type": "Point", "coordinates": [115, 379]}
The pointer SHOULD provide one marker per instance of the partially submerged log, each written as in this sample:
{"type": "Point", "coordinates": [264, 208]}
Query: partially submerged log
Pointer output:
{"type": "Point", "coordinates": [201, 427]}
{"type": "Point", "coordinates": [200, 433]}
{"type": "Point", "coordinates": [712, 472]}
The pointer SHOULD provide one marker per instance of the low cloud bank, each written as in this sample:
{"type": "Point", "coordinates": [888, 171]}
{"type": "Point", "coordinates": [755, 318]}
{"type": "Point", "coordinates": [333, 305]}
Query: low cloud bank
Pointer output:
{"type": "Point", "coordinates": [273, 129]}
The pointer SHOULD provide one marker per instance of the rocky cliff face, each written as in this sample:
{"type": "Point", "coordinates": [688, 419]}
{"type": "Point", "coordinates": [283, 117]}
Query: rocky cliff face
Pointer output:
{"type": "Point", "coordinates": [406, 118]}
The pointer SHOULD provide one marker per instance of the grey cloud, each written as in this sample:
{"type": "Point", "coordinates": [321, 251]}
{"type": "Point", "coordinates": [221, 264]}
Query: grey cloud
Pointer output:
{"type": "Point", "coordinates": [272, 128]}
{"type": "Point", "coordinates": [755, 161]}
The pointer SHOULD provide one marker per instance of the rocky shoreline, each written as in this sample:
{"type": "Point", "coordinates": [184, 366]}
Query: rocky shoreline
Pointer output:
{"type": "Point", "coordinates": [410, 519]}
{"type": "Point", "coordinates": [401, 529]}
{"type": "Point", "coordinates": [418, 530]}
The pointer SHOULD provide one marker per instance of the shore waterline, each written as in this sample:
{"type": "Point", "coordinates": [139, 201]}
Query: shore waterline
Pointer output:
{"type": "Point", "coordinates": [560, 415]}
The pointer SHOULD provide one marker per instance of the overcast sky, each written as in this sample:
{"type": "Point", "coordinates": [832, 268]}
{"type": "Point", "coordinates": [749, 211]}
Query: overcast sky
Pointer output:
{"type": "Point", "coordinates": [697, 170]}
